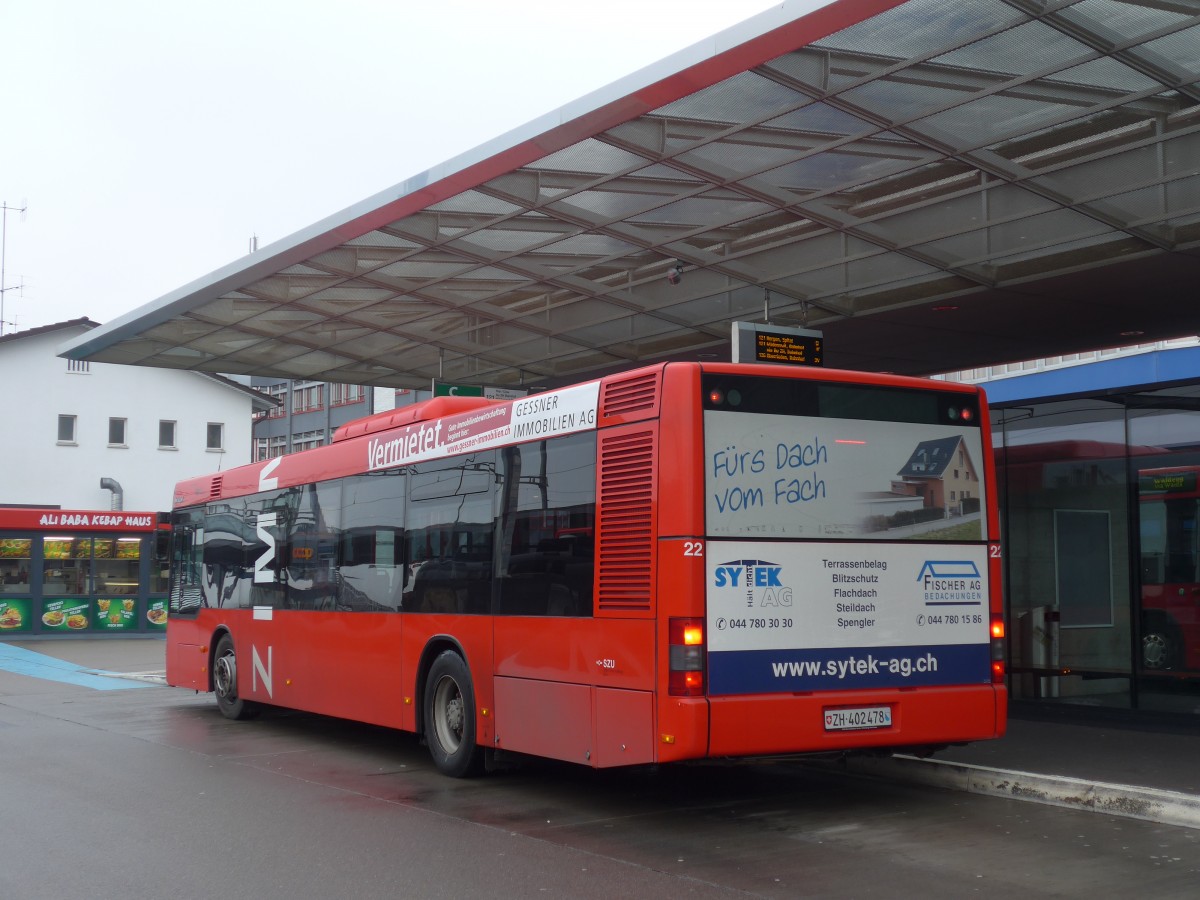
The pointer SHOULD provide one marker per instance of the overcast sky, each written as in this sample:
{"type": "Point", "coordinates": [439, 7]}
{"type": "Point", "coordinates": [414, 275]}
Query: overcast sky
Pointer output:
{"type": "Point", "coordinates": [151, 139]}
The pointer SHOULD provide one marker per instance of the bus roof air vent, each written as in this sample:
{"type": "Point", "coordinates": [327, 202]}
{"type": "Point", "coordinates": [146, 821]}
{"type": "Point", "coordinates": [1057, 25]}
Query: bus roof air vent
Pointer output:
{"type": "Point", "coordinates": [634, 396]}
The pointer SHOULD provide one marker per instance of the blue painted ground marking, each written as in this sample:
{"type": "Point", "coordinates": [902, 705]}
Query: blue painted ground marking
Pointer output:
{"type": "Point", "coordinates": [20, 661]}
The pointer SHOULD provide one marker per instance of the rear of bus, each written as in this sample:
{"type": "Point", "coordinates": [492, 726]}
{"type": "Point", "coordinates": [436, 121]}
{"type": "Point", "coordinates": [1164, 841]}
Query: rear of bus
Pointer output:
{"type": "Point", "coordinates": [842, 590]}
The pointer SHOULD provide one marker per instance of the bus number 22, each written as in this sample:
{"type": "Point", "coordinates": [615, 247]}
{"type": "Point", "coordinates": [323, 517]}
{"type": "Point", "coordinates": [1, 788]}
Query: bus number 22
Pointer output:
{"type": "Point", "coordinates": [693, 548]}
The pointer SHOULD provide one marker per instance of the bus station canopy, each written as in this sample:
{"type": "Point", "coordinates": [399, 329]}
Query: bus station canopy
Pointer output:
{"type": "Point", "coordinates": [933, 184]}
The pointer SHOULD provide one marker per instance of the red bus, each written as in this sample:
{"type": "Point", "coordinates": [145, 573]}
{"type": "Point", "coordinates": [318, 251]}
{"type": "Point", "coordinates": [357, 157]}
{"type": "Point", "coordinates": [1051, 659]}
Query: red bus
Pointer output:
{"type": "Point", "coordinates": [1169, 526]}
{"type": "Point", "coordinates": [681, 562]}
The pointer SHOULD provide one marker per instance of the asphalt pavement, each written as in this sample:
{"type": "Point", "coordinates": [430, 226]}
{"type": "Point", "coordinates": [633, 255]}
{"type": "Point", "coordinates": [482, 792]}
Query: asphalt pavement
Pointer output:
{"type": "Point", "coordinates": [1104, 761]}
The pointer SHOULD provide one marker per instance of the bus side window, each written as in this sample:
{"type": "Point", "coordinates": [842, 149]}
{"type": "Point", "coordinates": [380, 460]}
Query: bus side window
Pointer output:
{"type": "Point", "coordinates": [449, 535]}
{"type": "Point", "coordinates": [311, 551]}
{"type": "Point", "coordinates": [270, 518]}
{"type": "Point", "coordinates": [547, 524]}
{"type": "Point", "coordinates": [1181, 545]}
{"type": "Point", "coordinates": [187, 540]}
{"type": "Point", "coordinates": [370, 569]}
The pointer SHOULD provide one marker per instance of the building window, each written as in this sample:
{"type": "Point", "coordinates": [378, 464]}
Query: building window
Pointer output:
{"type": "Point", "coordinates": [216, 436]}
{"type": "Point", "coordinates": [307, 440]}
{"type": "Point", "coordinates": [308, 399]}
{"type": "Point", "coordinates": [166, 435]}
{"type": "Point", "coordinates": [78, 366]}
{"type": "Point", "coordinates": [116, 432]}
{"type": "Point", "coordinates": [66, 429]}
{"type": "Point", "coordinates": [343, 394]}
{"type": "Point", "coordinates": [278, 446]}
{"type": "Point", "coordinates": [277, 392]}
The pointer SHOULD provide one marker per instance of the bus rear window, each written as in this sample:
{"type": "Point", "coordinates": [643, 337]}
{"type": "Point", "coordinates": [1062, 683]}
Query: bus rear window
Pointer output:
{"type": "Point", "coordinates": [803, 459]}
{"type": "Point", "coordinates": [793, 397]}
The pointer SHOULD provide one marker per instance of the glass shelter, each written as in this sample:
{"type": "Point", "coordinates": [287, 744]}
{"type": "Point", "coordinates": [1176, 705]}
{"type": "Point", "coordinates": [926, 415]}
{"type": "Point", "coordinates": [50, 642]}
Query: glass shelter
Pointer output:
{"type": "Point", "coordinates": [1100, 510]}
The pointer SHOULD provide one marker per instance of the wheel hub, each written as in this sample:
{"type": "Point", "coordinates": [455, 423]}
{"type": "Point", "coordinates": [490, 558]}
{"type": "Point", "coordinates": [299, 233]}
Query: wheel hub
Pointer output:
{"type": "Point", "coordinates": [454, 715]}
{"type": "Point", "coordinates": [225, 675]}
{"type": "Point", "coordinates": [1154, 651]}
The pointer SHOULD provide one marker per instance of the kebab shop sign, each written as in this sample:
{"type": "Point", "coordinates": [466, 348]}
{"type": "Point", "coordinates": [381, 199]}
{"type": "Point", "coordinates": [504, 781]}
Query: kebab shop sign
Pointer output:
{"type": "Point", "coordinates": [65, 519]}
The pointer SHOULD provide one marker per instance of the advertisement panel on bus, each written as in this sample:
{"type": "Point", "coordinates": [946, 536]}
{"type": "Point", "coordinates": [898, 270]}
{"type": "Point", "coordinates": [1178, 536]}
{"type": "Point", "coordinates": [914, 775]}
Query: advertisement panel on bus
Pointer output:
{"type": "Point", "coordinates": [867, 601]}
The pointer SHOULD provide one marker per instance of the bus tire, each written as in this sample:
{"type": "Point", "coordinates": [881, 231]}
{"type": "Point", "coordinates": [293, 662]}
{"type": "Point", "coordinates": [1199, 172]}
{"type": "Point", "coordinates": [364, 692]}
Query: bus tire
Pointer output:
{"type": "Point", "coordinates": [1161, 646]}
{"type": "Point", "coordinates": [225, 683]}
{"type": "Point", "coordinates": [450, 717]}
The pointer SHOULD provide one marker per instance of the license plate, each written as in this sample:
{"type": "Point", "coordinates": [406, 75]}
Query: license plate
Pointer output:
{"type": "Point", "coordinates": [853, 719]}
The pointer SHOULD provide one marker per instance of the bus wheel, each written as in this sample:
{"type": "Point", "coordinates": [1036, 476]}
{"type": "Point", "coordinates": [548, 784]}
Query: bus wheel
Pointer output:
{"type": "Point", "coordinates": [450, 717]}
{"type": "Point", "coordinates": [225, 683]}
{"type": "Point", "coordinates": [1160, 645]}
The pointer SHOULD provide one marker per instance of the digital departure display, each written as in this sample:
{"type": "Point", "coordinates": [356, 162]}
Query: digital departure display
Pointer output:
{"type": "Point", "coordinates": [784, 347]}
{"type": "Point", "coordinates": [777, 344]}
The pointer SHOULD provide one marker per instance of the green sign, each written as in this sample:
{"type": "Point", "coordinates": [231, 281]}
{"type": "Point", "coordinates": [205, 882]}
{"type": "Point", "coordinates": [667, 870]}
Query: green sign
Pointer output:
{"type": "Point", "coordinates": [116, 614]}
{"type": "Point", "coordinates": [156, 615]}
{"type": "Point", "coordinates": [442, 389]}
{"type": "Point", "coordinates": [71, 614]}
{"type": "Point", "coordinates": [15, 615]}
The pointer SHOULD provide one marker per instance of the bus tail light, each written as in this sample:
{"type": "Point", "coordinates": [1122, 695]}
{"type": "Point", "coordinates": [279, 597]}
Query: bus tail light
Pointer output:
{"type": "Point", "coordinates": [998, 667]}
{"type": "Point", "coordinates": [686, 639]}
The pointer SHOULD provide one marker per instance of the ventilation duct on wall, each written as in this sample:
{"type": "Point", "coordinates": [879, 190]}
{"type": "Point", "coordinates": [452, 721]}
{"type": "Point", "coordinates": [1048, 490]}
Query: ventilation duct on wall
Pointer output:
{"type": "Point", "coordinates": [118, 494]}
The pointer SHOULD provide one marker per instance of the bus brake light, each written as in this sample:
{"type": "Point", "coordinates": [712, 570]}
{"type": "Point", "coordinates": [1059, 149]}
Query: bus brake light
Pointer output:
{"type": "Point", "coordinates": [998, 666]}
{"type": "Point", "coordinates": [686, 674]}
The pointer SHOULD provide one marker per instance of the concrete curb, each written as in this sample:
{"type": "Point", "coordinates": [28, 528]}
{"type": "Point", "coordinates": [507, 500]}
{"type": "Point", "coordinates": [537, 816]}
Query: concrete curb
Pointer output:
{"type": "Point", "coordinates": [157, 676]}
{"type": "Point", "coordinates": [1149, 804]}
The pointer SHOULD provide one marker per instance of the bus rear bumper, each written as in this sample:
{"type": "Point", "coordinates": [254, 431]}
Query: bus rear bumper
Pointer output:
{"type": "Point", "coordinates": [808, 723]}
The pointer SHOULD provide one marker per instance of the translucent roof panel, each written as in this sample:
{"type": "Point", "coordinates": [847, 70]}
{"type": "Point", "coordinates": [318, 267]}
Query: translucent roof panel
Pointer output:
{"type": "Point", "coordinates": [935, 185]}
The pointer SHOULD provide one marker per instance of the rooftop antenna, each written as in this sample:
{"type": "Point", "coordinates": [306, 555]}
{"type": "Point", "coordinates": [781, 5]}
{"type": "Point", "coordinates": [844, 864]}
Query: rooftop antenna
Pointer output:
{"type": "Point", "coordinates": [4, 289]}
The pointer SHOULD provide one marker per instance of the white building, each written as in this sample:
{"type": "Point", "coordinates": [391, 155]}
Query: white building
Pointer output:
{"type": "Point", "coordinates": [71, 424]}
